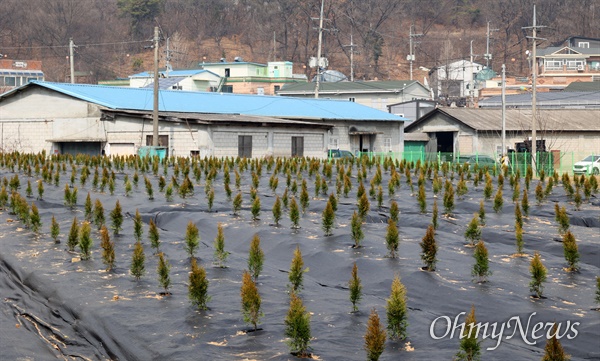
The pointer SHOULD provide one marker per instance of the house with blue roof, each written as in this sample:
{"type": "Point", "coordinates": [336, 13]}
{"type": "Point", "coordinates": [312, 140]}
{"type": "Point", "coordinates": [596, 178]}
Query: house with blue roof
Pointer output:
{"type": "Point", "coordinates": [93, 119]}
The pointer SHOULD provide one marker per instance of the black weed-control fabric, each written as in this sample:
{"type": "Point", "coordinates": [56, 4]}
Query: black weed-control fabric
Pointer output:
{"type": "Point", "coordinates": [56, 306]}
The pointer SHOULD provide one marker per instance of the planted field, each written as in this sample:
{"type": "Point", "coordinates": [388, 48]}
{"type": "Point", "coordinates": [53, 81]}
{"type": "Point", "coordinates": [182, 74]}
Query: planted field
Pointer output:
{"type": "Point", "coordinates": [116, 282]}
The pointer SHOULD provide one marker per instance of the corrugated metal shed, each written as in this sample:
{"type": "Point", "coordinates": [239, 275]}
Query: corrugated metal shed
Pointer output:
{"type": "Point", "coordinates": [546, 99]}
{"type": "Point", "coordinates": [215, 103]}
{"type": "Point", "coordinates": [348, 87]}
{"type": "Point", "coordinates": [582, 120]}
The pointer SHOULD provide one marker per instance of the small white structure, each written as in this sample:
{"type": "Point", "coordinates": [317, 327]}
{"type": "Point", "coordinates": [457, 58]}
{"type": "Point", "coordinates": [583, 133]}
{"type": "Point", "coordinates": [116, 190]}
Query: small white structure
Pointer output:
{"type": "Point", "coordinates": [457, 79]}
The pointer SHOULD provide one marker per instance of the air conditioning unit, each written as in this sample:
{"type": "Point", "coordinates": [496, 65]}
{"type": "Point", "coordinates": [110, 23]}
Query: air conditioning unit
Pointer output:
{"type": "Point", "coordinates": [579, 67]}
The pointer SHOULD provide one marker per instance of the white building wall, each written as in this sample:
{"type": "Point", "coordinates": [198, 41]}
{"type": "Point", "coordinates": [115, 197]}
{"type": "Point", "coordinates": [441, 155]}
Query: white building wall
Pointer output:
{"type": "Point", "coordinates": [313, 144]}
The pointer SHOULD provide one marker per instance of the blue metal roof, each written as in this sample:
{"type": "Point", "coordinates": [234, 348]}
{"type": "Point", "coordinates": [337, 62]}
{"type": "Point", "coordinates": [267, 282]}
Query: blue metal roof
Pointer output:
{"type": "Point", "coordinates": [216, 103]}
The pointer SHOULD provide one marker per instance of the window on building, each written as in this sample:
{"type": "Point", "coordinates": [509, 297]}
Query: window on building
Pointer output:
{"type": "Point", "coordinates": [387, 144]}
{"type": "Point", "coordinates": [276, 88]}
{"type": "Point", "coordinates": [227, 89]}
{"type": "Point", "coordinates": [352, 99]}
{"type": "Point", "coordinates": [227, 72]}
{"type": "Point", "coordinates": [245, 146]}
{"type": "Point", "coordinates": [163, 140]}
{"type": "Point", "coordinates": [297, 146]}
{"type": "Point", "coordinates": [334, 143]}
{"type": "Point", "coordinates": [583, 44]}
{"type": "Point", "coordinates": [10, 81]}
{"type": "Point", "coordinates": [194, 153]}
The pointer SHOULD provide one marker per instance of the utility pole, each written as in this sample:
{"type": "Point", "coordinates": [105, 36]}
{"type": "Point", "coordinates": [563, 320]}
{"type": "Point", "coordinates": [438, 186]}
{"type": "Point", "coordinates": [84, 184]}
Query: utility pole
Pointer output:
{"type": "Point", "coordinates": [503, 109]}
{"type": "Point", "coordinates": [319, 51]}
{"type": "Point", "coordinates": [351, 46]}
{"type": "Point", "coordinates": [488, 56]}
{"type": "Point", "coordinates": [534, 121]}
{"type": "Point", "coordinates": [274, 47]}
{"type": "Point", "coordinates": [411, 56]}
{"type": "Point", "coordinates": [472, 88]}
{"type": "Point", "coordinates": [71, 60]}
{"type": "Point", "coordinates": [155, 107]}
{"type": "Point", "coordinates": [167, 60]}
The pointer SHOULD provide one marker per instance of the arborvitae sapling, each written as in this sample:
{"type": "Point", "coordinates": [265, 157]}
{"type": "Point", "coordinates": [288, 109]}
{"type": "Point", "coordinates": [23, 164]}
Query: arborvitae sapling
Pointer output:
{"type": "Point", "coordinates": [256, 257]}
{"type": "Point", "coordinates": [334, 201]}
{"type": "Point", "coordinates": [34, 219]}
{"type": "Point", "coordinates": [98, 214]}
{"type": "Point", "coordinates": [192, 239]}
{"type": "Point", "coordinates": [255, 209]}
{"type": "Point", "coordinates": [355, 288]}
{"type": "Point", "coordinates": [154, 236]}
{"type": "Point", "coordinates": [363, 206]}
{"type": "Point", "coordinates": [297, 326]}
{"type": "Point", "coordinates": [571, 251]}
{"type": "Point", "coordinates": [28, 190]}
{"type": "Point", "coordinates": [251, 300]}
{"type": "Point", "coordinates": [356, 230]}
{"type": "Point", "coordinates": [73, 238]}
{"type": "Point", "coordinates": [392, 238]}
{"type": "Point", "coordinates": [397, 311]}
{"type": "Point", "coordinates": [481, 268]}
{"type": "Point", "coordinates": [40, 188]}
{"type": "Point", "coordinates": [85, 240]}
{"type": "Point", "coordinates": [498, 201]}
{"type": "Point", "coordinates": [54, 230]}
{"type": "Point", "coordinates": [294, 214]}
{"type": "Point", "coordinates": [539, 193]}
{"type": "Point", "coordinates": [138, 229]}
{"type": "Point", "coordinates": [296, 275]}
{"type": "Point", "coordinates": [577, 200]}
{"type": "Point", "coordinates": [394, 212]}
{"type": "Point", "coordinates": [473, 232]}
{"type": "Point", "coordinates": [220, 255]}
{"type": "Point", "coordinates": [328, 219]}
{"type": "Point", "coordinates": [553, 351]}
{"type": "Point", "coordinates": [374, 337]}
{"type": "Point", "coordinates": [138, 260]}
{"type": "Point", "coordinates": [470, 349]}
{"type": "Point", "coordinates": [518, 215]}
{"type": "Point", "coordinates": [429, 249]}
{"type": "Point", "coordinates": [562, 218]}
{"type": "Point", "coordinates": [449, 198]}
{"type": "Point", "coordinates": [519, 238]}
{"type": "Point", "coordinates": [489, 188]}
{"type": "Point", "coordinates": [525, 203]}
{"type": "Point", "coordinates": [163, 270]}
{"type": "Point", "coordinates": [88, 208]}
{"type": "Point", "coordinates": [434, 215]}
{"type": "Point", "coordinates": [198, 286]}
{"type": "Point", "coordinates": [116, 217]}
{"type": "Point", "coordinates": [108, 249]}
{"type": "Point", "coordinates": [538, 275]}
{"type": "Point", "coordinates": [237, 204]}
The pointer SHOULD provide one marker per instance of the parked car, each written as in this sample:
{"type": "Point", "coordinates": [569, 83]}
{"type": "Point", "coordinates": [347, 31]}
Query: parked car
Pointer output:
{"type": "Point", "coordinates": [481, 160]}
{"type": "Point", "coordinates": [589, 165]}
{"type": "Point", "coordinates": [337, 154]}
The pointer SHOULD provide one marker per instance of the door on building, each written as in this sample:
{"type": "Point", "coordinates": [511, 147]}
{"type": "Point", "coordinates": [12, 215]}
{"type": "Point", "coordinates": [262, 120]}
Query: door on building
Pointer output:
{"type": "Point", "coordinates": [445, 145]}
{"type": "Point", "coordinates": [365, 142]}
{"type": "Point", "coordinates": [297, 146]}
{"type": "Point", "coordinates": [245, 146]}
{"type": "Point", "coordinates": [74, 148]}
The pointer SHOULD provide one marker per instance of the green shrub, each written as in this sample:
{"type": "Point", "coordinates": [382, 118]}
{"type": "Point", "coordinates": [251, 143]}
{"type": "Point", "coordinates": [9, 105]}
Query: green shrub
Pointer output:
{"type": "Point", "coordinates": [374, 337]}
{"type": "Point", "coordinates": [392, 238]}
{"type": "Point", "coordinates": [297, 326]}
{"type": "Point", "coordinates": [429, 249]}
{"type": "Point", "coordinates": [570, 250]}
{"type": "Point", "coordinates": [327, 219]}
{"type": "Point", "coordinates": [296, 275]}
{"type": "Point", "coordinates": [198, 286]}
{"type": "Point", "coordinates": [54, 230]}
{"type": "Point", "coordinates": [220, 255]}
{"type": "Point", "coordinates": [164, 270]}
{"type": "Point", "coordinates": [481, 268]}
{"type": "Point", "coordinates": [256, 257]}
{"type": "Point", "coordinates": [470, 349]}
{"type": "Point", "coordinates": [498, 201]}
{"type": "Point", "coordinates": [355, 288]}
{"type": "Point", "coordinates": [251, 300]}
{"type": "Point", "coordinates": [397, 311]}
{"type": "Point", "coordinates": [73, 237]}
{"type": "Point", "coordinates": [473, 232]}
{"type": "Point", "coordinates": [108, 249]}
{"type": "Point", "coordinates": [538, 275]}
{"type": "Point", "coordinates": [192, 239]}
{"type": "Point", "coordinates": [85, 241]}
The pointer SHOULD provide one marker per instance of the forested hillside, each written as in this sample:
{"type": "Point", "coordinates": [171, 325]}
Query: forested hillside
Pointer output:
{"type": "Point", "coordinates": [113, 35]}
